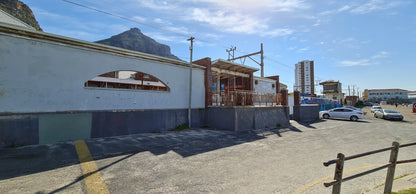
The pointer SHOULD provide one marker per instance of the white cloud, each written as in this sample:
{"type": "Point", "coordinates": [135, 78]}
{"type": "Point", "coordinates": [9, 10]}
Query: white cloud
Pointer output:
{"type": "Point", "coordinates": [317, 23]}
{"type": "Point", "coordinates": [260, 5]}
{"type": "Point", "coordinates": [375, 5]}
{"type": "Point", "coordinates": [277, 32]}
{"type": "Point", "coordinates": [361, 62]}
{"type": "Point", "coordinates": [237, 23]}
{"type": "Point", "coordinates": [158, 4]}
{"type": "Point", "coordinates": [346, 7]}
{"type": "Point", "coordinates": [303, 50]}
{"type": "Point", "coordinates": [158, 20]}
{"type": "Point", "coordinates": [335, 11]}
{"type": "Point", "coordinates": [166, 38]}
{"type": "Point", "coordinates": [382, 54]}
{"type": "Point", "coordinates": [139, 19]}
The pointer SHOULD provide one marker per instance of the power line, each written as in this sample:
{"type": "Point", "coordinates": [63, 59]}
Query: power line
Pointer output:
{"type": "Point", "coordinates": [162, 29]}
{"type": "Point", "coordinates": [141, 23]}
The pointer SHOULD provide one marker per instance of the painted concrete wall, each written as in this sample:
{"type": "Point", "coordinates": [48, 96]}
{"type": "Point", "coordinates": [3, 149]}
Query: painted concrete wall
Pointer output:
{"type": "Point", "coordinates": [264, 85]}
{"type": "Point", "coordinates": [306, 113]}
{"type": "Point", "coordinates": [44, 76]}
{"type": "Point", "coordinates": [291, 100]}
{"type": "Point", "coordinates": [247, 118]}
{"type": "Point", "coordinates": [45, 128]}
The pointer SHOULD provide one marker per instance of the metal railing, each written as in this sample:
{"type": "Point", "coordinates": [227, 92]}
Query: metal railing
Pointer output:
{"type": "Point", "coordinates": [339, 161]}
{"type": "Point", "coordinates": [245, 98]}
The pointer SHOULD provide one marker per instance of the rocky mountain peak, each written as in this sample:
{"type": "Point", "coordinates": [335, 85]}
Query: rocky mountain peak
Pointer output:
{"type": "Point", "coordinates": [20, 11]}
{"type": "Point", "coordinates": [135, 40]}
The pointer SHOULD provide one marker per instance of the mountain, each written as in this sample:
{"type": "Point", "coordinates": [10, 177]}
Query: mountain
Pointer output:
{"type": "Point", "coordinates": [20, 11]}
{"type": "Point", "coordinates": [135, 40]}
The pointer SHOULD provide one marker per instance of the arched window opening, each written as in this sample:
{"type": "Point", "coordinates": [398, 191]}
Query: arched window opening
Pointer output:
{"type": "Point", "coordinates": [131, 80]}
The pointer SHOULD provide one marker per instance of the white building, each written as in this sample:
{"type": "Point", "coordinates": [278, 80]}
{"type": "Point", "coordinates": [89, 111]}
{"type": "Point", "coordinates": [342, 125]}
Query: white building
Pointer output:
{"type": "Point", "coordinates": [304, 77]}
{"type": "Point", "coordinates": [264, 85]}
{"type": "Point", "coordinates": [385, 94]}
{"type": "Point", "coordinates": [412, 96]}
{"type": "Point", "coordinates": [10, 20]}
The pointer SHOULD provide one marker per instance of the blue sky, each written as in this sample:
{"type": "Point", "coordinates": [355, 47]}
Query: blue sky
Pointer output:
{"type": "Point", "coordinates": [368, 44]}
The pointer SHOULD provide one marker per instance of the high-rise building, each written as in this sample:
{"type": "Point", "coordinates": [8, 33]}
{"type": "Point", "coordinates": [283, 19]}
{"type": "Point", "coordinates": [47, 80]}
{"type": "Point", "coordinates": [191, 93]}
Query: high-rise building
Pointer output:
{"type": "Point", "coordinates": [304, 77]}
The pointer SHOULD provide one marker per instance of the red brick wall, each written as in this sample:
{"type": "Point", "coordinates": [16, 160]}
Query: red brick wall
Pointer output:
{"type": "Point", "coordinates": [312, 78]}
{"type": "Point", "coordinates": [276, 77]}
{"type": "Point", "coordinates": [206, 62]}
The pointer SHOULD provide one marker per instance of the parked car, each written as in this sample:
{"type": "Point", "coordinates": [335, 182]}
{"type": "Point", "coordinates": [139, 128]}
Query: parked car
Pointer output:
{"type": "Point", "coordinates": [388, 114]}
{"type": "Point", "coordinates": [354, 108]}
{"type": "Point", "coordinates": [342, 113]}
{"type": "Point", "coordinates": [368, 104]}
{"type": "Point", "coordinates": [376, 108]}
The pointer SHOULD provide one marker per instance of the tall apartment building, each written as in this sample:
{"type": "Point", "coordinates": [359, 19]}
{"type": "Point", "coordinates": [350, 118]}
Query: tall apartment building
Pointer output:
{"type": "Point", "coordinates": [304, 77]}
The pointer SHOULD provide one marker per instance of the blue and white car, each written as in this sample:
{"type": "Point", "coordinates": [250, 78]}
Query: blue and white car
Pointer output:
{"type": "Point", "coordinates": [342, 113]}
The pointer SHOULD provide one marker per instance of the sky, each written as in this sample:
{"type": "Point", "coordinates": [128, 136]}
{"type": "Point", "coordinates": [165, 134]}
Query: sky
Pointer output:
{"type": "Point", "coordinates": [364, 44]}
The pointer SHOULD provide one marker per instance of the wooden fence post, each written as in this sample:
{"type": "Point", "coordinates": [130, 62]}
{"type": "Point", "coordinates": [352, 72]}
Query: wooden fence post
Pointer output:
{"type": "Point", "coordinates": [390, 171]}
{"type": "Point", "coordinates": [339, 168]}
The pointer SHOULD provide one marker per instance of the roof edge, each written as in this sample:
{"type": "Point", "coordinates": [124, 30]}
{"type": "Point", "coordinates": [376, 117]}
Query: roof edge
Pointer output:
{"type": "Point", "coordinates": [21, 31]}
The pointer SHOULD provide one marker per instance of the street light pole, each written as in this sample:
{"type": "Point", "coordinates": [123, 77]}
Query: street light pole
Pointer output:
{"type": "Point", "coordinates": [190, 82]}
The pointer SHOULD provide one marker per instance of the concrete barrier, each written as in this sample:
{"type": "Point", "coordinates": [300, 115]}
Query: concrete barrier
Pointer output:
{"type": "Point", "coordinates": [247, 118]}
{"type": "Point", "coordinates": [306, 113]}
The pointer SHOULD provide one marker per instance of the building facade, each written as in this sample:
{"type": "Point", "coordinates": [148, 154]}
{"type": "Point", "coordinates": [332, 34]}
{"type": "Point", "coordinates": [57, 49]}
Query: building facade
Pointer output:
{"type": "Point", "coordinates": [412, 96]}
{"type": "Point", "coordinates": [385, 94]}
{"type": "Point", "coordinates": [304, 77]}
{"type": "Point", "coordinates": [332, 89]}
{"type": "Point", "coordinates": [56, 88]}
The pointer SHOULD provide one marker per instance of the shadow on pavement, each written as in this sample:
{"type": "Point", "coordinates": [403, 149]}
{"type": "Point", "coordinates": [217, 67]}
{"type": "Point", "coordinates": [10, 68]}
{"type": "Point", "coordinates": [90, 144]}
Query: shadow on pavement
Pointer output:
{"type": "Point", "coordinates": [27, 160]}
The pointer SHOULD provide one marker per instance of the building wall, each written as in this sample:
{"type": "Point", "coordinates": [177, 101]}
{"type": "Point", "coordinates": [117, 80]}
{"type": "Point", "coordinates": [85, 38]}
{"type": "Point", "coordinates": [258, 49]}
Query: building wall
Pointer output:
{"type": "Point", "coordinates": [304, 77]}
{"type": "Point", "coordinates": [44, 128]}
{"type": "Point", "coordinates": [264, 85]}
{"type": "Point", "coordinates": [386, 95]}
{"type": "Point", "coordinates": [43, 76]}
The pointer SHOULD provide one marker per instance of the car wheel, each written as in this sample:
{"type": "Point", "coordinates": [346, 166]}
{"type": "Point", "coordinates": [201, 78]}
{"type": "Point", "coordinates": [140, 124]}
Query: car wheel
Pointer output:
{"type": "Point", "coordinates": [326, 116]}
{"type": "Point", "coordinates": [353, 118]}
{"type": "Point", "coordinates": [375, 115]}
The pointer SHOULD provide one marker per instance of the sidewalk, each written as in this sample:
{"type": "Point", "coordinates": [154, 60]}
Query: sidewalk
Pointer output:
{"type": "Point", "coordinates": [400, 183]}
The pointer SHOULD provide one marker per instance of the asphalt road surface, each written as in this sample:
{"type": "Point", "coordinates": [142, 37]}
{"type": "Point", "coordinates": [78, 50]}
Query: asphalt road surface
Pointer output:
{"type": "Point", "coordinates": [282, 160]}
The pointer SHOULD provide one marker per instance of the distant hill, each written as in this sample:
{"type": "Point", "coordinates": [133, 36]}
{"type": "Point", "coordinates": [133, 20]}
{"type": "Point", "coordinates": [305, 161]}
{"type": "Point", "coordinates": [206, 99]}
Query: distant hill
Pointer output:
{"type": "Point", "coordinates": [135, 40]}
{"type": "Point", "coordinates": [20, 11]}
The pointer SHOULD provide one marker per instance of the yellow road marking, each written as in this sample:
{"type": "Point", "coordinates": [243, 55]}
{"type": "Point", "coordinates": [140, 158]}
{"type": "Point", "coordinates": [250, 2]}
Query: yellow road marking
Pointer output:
{"type": "Point", "coordinates": [92, 178]}
{"type": "Point", "coordinates": [345, 172]}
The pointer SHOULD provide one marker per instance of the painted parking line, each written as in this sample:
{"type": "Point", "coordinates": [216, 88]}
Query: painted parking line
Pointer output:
{"type": "Point", "coordinates": [344, 173]}
{"type": "Point", "coordinates": [92, 177]}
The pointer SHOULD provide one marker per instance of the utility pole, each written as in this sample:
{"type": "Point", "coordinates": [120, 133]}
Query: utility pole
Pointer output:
{"type": "Point", "coordinates": [262, 62]}
{"type": "Point", "coordinates": [190, 81]}
{"type": "Point", "coordinates": [349, 91]}
{"type": "Point", "coordinates": [232, 49]}
{"type": "Point", "coordinates": [353, 90]}
{"type": "Point", "coordinates": [249, 56]}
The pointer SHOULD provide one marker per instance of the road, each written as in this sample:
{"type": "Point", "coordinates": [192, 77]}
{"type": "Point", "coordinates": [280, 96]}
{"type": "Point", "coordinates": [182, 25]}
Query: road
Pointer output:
{"type": "Point", "coordinates": [282, 160]}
